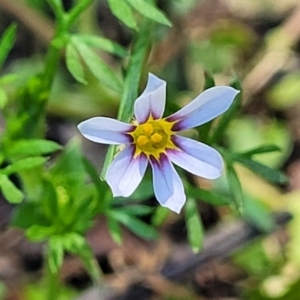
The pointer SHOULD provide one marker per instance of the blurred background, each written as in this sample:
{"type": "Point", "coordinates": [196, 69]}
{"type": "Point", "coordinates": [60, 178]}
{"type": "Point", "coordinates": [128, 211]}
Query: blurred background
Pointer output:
{"type": "Point", "coordinates": [256, 41]}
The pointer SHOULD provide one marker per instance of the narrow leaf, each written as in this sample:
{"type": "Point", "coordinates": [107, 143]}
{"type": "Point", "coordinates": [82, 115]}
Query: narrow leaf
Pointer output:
{"type": "Point", "coordinates": [207, 196]}
{"type": "Point", "coordinates": [24, 164]}
{"type": "Point", "coordinates": [6, 42]}
{"type": "Point", "coordinates": [103, 44]}
{"type": "Point", "coordinates": [115, 230]}
{"type": "Point", "coordinates": [235, 186]}
{"type": "Point", "coordinates": [31, 147]}
{"type": "Point", "coordinates": [149, 11]}
{"type": "Point", "coordinates": [74, 64]}
{"type": "Point", "coordinates": [271, 175]}
{"type": "Point", "coordinates": [194, 225]}
{"type": "Point", "coordinates": [123, 12]}
{"type": "Point", "coordinates": [10, 192]}
{"type": "Point", "coordinates": [135, 225]}
{"type": "Point", "coordinates": [3, 99]}
{"type": "Point", "coordinates": [260, 150]}
{"type": "Point", "coordinates": [56, 253]}
{"type": "Point", "coordinates": [136, 210]}
{"type": "Point", "coordinates": [98, 68]}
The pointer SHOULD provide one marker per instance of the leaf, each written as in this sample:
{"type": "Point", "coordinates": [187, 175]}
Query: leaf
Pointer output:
{"type": "Point", "coordinates": [56, 253]}
{"type": "Point", "coordinates": [194, 225]}
{"type": "Point", "coordinates": [258, 215]}
{"type": "Point", "coordinates": [271, 175]}
{"type": "Point", "coordinates": [10, 192]}
{"type": "Point", "coordinates": [6, 42]}
{"type": "Point", "coordinates": [149, 11]}
{"type": "Point", "coordinates": [135, 225]}
{"type": "Point", "coordinates": [260, 150]}
{"type": "Point", "coordinates": [123, 12]}
{"type": "Point", "coordinates": [38, 233]}
{"type": "Point", "coordinates": [103, 44]}
{"type": "Point", "coordinates": [77, 244]}
{"type": "Point", "coordinates": [3, 99]}
{"type": "Point", "coordinates": [98, 68]}
{"type": "Point", "coordinates": [114, 230]}
{"type": "Point", "coordinates": [31, 147]}
{"type": "Point", "coordinates": [233, 180]}
{"type": "Point", "coordinates": [136, 210]}
{"type": "Point", "coordinates": [131, 84]}
{"type": "Point", "coordinates": [160, 215]}
{"type": "Point", "coordinates": [228, 115]}
{"type": "Point", "coordinates": [74, 64]}
{"type": "Point", "coordinates": [207, 196]}
{"type": "Point", "coordinates": [24, 164]}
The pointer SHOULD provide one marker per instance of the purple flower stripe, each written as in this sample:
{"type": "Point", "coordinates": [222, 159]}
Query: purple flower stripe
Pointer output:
{"type": "Point", "coordinates": [126, 172]}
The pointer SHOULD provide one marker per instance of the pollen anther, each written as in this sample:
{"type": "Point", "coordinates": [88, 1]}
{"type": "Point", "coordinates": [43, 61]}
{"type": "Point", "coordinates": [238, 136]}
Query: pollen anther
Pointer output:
{"type": "Point", "coordinates": [142, 140]}
{"type": "Point", "coordinates": [147, 128]}
{"type": "Point", "coordinates": [156, 138]}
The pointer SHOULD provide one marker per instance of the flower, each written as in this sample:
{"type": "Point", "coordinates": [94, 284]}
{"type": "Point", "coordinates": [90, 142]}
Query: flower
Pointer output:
{"type": "Point", "coordinates": [152, 139]}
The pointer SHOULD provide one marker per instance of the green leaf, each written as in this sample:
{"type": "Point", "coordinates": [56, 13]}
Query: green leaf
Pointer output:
{"type": "Point", "coordinates": [131, 83]}
{"type": "Point", "coordinates": [271, 175]}
{"type": "Point", "coordinates": [207, 196]}
{"type": "Point", "coordinates": [31, 147]}
{"type": "Point", "coordinates": [149, 11]}
{"type": "Point", "coordinates": [27, 214]}
{"type": "Point", "coordinates": [160, 215]}
{"type": "Point", "coordinates": [6, 42]}
{"type": "Point", "coordinates": [10, 192]}
{"type": "Point", "coordinates": [135, 225]}
{"type": "Point", "coordinates": [98, 68]}
{"type": "Point", "coordinates": [103, 44]}
{"type": "Point", "coordinates": [24, 164]}
{"type": "Point", "coordinates": [123, 12]}
{"type": "Point", "coordinates": [194, 225]}
{"type": "Point", "coordinates": [39, 233]}
{"type": "Point", "coordinates": [114, 230]}
{"type": "Point", "coordinates": [233, 181]}
{"type": "Point", "coordinates": [77, 244]}
{"type": "Point", "coordinates": [228, 115]}
{"type": "Point", "coordinates": [3, 99]}
{"type": "Point", "coordinates": [56, 253]}
{"type": "Point", "coordinates": [136, 210]}
{"type": "Point", "coordinates": [74, 64]}
{"type": "Point", "coordinates": [260, 150]}
{"type": "Point", "coordinates": [258, 215]}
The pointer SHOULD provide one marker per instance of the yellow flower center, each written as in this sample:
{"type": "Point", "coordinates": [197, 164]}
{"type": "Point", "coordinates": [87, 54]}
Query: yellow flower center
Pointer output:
{"type": "Point", "coordinates": [153, 137]}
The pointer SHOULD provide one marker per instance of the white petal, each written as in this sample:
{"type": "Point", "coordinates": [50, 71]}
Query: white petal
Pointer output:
{"type": "Point", "coordinates": [196, 158]}
{"type": "Point", "coordinates": [168, 187]}
{"type": "Point", "coordinates": [126, 172]}
{"type": "Point", "coordinates": [152, 101]}
{"type": "Point", "coordinates": [106, 131]}
{"type": "Point", "coordinates": [207, 106]}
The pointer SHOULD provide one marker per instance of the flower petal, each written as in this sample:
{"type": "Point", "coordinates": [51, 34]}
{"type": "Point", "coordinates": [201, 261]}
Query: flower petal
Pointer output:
{"type": "Point", "coordinates": [152, 101]}
{"type": "Point", "coordinates": [196, 158]}
{"type": "Point", "coordinates": [208, 105]}
{"type": "Point", "coordinates": [168, 187]}
{"type": "Point", "coordinates": [106, 131]}
{"type": "Point", "coordinates": [126, 172]}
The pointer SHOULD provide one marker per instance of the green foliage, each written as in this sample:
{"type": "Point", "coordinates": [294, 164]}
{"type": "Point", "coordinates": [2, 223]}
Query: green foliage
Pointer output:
{"type": "Point", "coordinates": [123, 11]}
{"type": "Point", "coordinates": [194, 225]}
{"type": "Point", "coordinates": [6, 42]}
